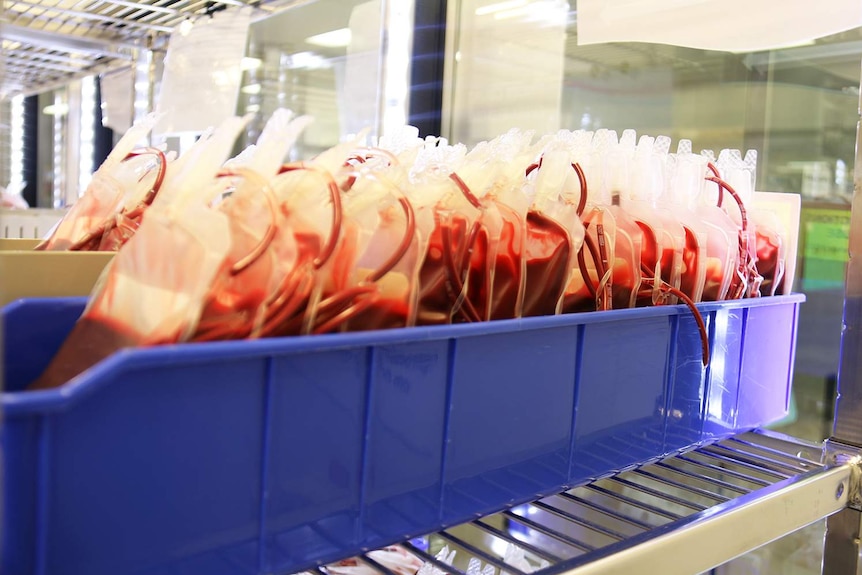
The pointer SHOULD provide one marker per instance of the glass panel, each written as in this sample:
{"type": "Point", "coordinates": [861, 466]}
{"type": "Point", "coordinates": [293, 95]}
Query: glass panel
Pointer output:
{"type": "Point", "coordinates": [522, 67]}
{"type": "Point", "coordinates": [518, 64]}
{"type": "Point", "coordinates": [325, 59]}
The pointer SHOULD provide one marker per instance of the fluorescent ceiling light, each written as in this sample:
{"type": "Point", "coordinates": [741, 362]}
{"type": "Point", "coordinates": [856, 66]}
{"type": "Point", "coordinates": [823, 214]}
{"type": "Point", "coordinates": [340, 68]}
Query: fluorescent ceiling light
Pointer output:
{"type": "Point", "coordinates": [548, 11]}
{"type": "Point", "coordinates": [513, 13]}
{"type": "Point", "coordinates": [335, 39]}
{"type": "Point", "coordinates": [500, 6]}
{"type": "Point", "coordinates": [56, 110]}
{"type": "Point", "coordinates": [252, 108]}
{"type": "Point", "coordinates": [250, 64]}
{"type": "Point", "coordinates": [185, 27]}
{"type": "Point", "coordinates": [308, 60]}
{"type": "Point", "coordinates": [251, 89]}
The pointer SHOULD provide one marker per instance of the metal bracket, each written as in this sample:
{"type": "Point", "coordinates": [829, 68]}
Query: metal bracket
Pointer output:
{"type": "Point", "coordinates": [108, 48]}
{"type": "Point", "coordinates": [836, 453]}
{"type": "Point", "coordinates": [841, 544]}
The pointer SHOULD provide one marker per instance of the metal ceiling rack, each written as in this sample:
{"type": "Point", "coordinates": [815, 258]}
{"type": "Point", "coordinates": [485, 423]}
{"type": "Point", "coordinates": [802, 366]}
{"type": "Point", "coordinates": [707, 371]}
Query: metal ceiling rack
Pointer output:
{"type": "Point", "coordinates": [46, 43]}
{"type": "Point", "coordinates": [701, 508]}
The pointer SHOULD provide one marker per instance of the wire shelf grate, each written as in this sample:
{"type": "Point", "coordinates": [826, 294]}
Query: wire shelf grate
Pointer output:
{"type": "Point", "coordinates": [560, 533]}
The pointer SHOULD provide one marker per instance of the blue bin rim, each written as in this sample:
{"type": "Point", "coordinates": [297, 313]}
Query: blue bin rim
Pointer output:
{"type": "Point", "coordinates": [106, 371]}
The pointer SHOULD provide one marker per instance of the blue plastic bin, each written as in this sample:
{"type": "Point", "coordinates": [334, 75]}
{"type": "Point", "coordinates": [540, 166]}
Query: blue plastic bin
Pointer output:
{"type": "Point", "coordinates": [274, 455]}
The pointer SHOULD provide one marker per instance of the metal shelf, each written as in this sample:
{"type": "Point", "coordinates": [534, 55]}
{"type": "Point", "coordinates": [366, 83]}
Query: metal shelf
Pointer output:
{"type": "Point", "coordinates": [702, 507]}
{"type": "Point", "coordinates": [49, 42]}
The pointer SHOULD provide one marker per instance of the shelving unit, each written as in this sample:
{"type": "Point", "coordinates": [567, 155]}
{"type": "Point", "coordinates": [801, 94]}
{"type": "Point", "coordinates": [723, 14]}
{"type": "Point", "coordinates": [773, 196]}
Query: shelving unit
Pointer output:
{"type": "Point", "coordinates": [47, 43]}
{"type": "Point", "coordinates": [702, 507]}
{"type": "Point", "coordinates": [28, 224]}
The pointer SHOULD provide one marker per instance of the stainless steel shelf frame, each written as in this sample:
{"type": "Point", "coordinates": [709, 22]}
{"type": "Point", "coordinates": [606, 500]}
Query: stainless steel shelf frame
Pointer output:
{"type": "Point", "coordinates": [681, 515]}
{"type": "Point", "coordinates": [841, 551]}
{"type": "Point", "coordinates": [48, 43]}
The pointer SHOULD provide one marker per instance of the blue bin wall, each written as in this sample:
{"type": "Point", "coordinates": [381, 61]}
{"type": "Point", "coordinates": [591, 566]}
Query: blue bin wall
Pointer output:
{"type": "Point", "coordinates": [274, 455]}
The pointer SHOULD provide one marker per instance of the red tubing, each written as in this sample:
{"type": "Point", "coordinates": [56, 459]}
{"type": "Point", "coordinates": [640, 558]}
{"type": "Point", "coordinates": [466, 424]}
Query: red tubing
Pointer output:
{"type": "Point", "coordinates": [701, 326]}
{"type": "Point", "coordinates": [355, 309]}
{"type": "Point", "coordinates": [369, 153]}
{"type": "Point", "coordinates": [160, 176]}
{"type": "Point", "coordinates": [344, 297]}
{"type": "Point", "coordinates": [607, 288]}
{"type": "Point", "coordinates": [716, 174]}
{"type": "Point", "coordinates": [401, 250]}
{"type": "Point", "coordinates": [534, 166]}
{"type": "Point", "coordinates": [455, 276]}
{"type": "Point", "coordinates": [348, 183]}
{"type": "Point", "coordinates": [106, 226]}
{"type": "Point", "coordinates": [722, 184]}
{"type": "Point", "coordinates": [376, 152]}
{"type": "Point", "coordinates": [465, 190]}
{"type": "Point", "coordinates": [667, 288]}
{"type": "Point", "coordinates": [582, 180]}
{"type": "Point", "coordinates": [745, 257]}
{"type": "Point", "coordinates": [349, 295]}
{"type": "Point", "coordinates": [255, 254]}
{"type": "Point", "coordinates": [335, 198]}
{"type": "Point", "coordinates": [597, 262]}
{"type": "Point", "coordinates": [291, 296]}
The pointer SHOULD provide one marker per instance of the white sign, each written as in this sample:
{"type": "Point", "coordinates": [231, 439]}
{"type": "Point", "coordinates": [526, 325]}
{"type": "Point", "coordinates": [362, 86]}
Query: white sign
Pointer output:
{"type": "Point", "coordinates": [359, 93]}
{"type": "Point", "coordinates": [118, 96]}
{"type": "Point", "coordinates": [203, 72]}
{"type": "Point", "coordinates": [730, 25]}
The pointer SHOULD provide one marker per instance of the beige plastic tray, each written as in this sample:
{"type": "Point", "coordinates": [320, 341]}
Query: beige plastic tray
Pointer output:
{"type": "Point", "coordinates": [25, 273]}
